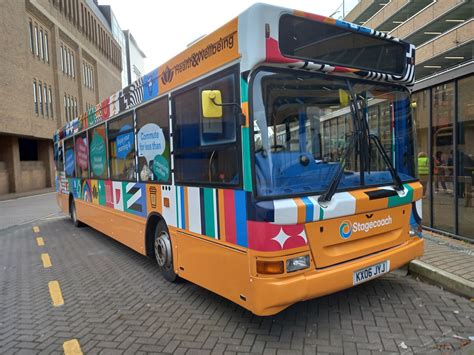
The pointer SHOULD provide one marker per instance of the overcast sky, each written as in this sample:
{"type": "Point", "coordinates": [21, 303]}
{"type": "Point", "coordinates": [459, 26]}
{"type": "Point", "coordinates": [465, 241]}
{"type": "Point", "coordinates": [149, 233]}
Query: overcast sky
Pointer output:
{"type": "Point", "coordinates": [162, 29]}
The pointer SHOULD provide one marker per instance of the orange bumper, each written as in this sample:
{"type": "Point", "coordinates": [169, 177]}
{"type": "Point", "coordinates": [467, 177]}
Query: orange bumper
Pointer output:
{"type": "Point", "coordinates": [271, 295]}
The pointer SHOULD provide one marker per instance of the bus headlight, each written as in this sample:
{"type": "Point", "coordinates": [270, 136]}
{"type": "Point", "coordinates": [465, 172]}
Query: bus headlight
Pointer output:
{"type": "Point", "coordinates": [416, 230]}
{"type": "Point", "coordinates": [298, 263]}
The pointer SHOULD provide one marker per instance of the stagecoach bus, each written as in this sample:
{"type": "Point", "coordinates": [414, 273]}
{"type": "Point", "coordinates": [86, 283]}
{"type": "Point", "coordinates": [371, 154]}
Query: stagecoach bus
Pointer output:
{"type": "Point", "coordinates": [270, 162]}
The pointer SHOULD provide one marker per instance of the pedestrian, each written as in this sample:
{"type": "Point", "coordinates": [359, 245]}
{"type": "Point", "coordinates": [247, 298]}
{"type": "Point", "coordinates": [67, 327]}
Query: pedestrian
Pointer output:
{"type": "Point", "coordinates": [438, 172]}
{"type": "Point", "coordinates": [423, 170]}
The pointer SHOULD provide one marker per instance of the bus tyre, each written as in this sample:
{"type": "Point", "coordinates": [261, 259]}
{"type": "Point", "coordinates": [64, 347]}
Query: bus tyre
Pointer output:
{"type": "Point", "coordinates": [73, 214]}
{"type": "Point", "coordinates": [164, 252]}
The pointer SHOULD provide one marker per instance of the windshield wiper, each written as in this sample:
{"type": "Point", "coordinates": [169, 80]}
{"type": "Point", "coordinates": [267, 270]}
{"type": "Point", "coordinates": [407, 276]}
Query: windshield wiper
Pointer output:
{"type": "Point", "coordinates": [355, 140]}
{"type": "Point", "coordinates": [361, 138]}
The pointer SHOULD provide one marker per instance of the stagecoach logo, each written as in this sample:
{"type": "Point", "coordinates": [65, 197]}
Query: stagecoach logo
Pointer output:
{"type": "Point", "coordinates": [198, 57]}
{"type": "Point", "coordinates": [347, 228]}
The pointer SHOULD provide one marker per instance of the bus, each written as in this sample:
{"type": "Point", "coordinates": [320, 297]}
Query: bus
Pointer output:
{"type": "Point", "coordinates": [270, 162]}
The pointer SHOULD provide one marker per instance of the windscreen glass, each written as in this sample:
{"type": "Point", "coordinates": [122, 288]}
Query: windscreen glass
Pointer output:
{"type": "Point", "coordinates": [307, 39]}
{"type": "Point", "coordinates": [303, 126]}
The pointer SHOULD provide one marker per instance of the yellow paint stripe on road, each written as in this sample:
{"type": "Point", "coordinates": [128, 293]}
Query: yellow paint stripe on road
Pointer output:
{"type": "Point", "coordinates": [36, 229]}
{"type": "Point", "coordinates": [40, 241]}
{"type": "Point", "coordinates": [55, 292]}
{"type": "Point", "coordinates": [72, 347]}
{"type": "Point", "coordinates": [46, 260]}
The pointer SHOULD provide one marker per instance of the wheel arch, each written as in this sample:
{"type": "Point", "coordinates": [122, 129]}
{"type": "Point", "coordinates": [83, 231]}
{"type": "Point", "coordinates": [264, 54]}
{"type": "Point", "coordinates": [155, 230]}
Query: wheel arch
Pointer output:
{"type": "Point", "coordinates": [152, 221]}
{"type": "Point", "coordinates": [70, 200]}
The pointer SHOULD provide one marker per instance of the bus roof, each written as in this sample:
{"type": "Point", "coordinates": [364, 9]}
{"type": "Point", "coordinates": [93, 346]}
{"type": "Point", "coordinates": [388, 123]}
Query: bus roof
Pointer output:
{"type": "Point", "coordinates": [251, 38]}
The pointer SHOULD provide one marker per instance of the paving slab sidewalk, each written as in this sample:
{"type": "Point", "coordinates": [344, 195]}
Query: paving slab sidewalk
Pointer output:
{"type": "Point", "coordinates": [448, 263]}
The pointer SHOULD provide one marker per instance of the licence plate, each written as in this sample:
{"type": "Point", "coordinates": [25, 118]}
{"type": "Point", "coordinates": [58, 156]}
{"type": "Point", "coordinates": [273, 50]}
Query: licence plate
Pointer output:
{"type": "Point", "coordinates": [371, 272]}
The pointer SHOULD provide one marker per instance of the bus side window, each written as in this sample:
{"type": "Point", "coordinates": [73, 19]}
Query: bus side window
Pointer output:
{"type": "Point", "coordinates": [70, 164]}
{"type": "Point", "coordinates": [59, 157]}
{"type": "Point", "coordinates": [81, 149]}
{"type": "Point", "coordinates": [153, 142]}
{"type": "Point", "coordinates": [98, 152]}
{"type": "Point", "coordinates": [221, 129]}
{"type": "Point", "coordinates": [122, 148]}
{"type": "Point", "coordinates": [206, 150]}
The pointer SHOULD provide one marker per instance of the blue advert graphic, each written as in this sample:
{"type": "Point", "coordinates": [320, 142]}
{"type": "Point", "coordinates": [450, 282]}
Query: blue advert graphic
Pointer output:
{"type": "Point", "coordinates": [150, 85]}
{"type": "Point", "coordinates": [124, 142]}
{"type": "Point", "coordinates": [70, 162]}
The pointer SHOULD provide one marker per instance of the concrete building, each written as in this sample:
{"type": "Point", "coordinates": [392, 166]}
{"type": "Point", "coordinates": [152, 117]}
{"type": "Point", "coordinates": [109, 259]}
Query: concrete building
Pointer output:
{"type": "Point", "coordinates": [133, 58]}
{"type": "Point", "coordinates": [443, 32]}
{"type": "Point", "coordinates": [58, 59]}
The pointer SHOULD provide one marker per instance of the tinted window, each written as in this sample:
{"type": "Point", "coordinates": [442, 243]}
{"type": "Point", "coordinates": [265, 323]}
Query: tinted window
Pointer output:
{"type": "Point", "coordinates": [220, 130]}
{"type": "Point", "coordinates": [205, 149]}
{"type": "Point", "coordinates": [98, 152]}
{"type": "Point", "coordinates": [153, 141]}
{"type": "Point", "coordinates": [122, 148]}
{"type": "Point", "coordinates": [82, 155]}
{"type": "Point", "coordinates": [325, 43]}
{"type": "Point", "coordinates": [70, 166]}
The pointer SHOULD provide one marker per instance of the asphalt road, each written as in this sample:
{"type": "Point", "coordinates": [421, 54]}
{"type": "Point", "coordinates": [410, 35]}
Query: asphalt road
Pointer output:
{"type": "Point", "coordinates": [115, 301]}
{"type": "Point", "coordinates": [27, 209]}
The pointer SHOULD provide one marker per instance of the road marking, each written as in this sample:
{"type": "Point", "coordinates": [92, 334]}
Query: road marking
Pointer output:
{"type": "Point", "coordinates": [36, 229]}
{"type": "Point", "coordinates": [40, 241]}
{"type": "Point", "coordinates": [55, 292]}
{"type": "Point", "coordinates": [72, 347]}
{"type": "Point", "coordinates": [46, 260]}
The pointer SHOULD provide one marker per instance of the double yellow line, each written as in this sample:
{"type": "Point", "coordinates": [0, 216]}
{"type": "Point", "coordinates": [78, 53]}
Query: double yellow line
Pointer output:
{"type": "Point", "coordinates": [70, 347]}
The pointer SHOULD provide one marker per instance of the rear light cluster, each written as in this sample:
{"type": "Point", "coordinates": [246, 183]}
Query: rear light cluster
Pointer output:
{"type": "Point", "coordinates": [278, 267]}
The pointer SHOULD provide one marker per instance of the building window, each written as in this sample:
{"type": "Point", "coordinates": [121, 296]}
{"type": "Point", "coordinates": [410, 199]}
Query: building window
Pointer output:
{"type": "Point", "coordinates": [66, 52]}
{"type": "Point", "coordinates": [46, 47]}
{"type": "Point", "coordinates": [36, 41]}
{"type": "Point", "coordinates": [40, 98]}
{"type": "Point", "coordinates": [50, 99]}
{"type": "Point", "coordinates": [35, 97]}
{"type": "Point", "coordinates": [73, 72]}
{"type": "Point", "coordinates": [69, 107]}
{"type": "Point", "coordinates": [75, 107]}
{"type": "Point", "coordinates": [30, 30]}
{"type": "Point", "coordinates": [45, 95]}
{"type": "Point", "coordinates": [41, 43]}
{"type": "Point", "coordinates": [62, 59]}
{"type": "Point", "coordinates": [88, 75]}
{"type": "Point", "coordinates": [65, 108]}
{"type": "Point", "coordinates": [28, 149]}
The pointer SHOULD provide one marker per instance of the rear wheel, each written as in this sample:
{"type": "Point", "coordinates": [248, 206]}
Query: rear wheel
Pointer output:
{"type": "Point", "coordinates": [73, 214]}
{"type": "Point", "coordinates": [164, 252]}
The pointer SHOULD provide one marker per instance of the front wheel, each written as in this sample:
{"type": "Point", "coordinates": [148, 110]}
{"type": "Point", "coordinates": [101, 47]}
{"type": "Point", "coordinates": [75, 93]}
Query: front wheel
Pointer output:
{"type": "Point", "coordinates": [73, 214]}
{"type": "Point", "coordinates": [164, 252]}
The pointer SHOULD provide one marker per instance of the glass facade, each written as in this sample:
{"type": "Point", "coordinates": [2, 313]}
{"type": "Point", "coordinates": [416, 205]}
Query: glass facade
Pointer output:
{"type": "Point", "coordinates": [444, 116]}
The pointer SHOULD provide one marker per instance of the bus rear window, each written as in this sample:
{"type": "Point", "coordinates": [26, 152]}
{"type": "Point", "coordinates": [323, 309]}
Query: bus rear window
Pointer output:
{"type": "Point", "coordinates": [324, 43]}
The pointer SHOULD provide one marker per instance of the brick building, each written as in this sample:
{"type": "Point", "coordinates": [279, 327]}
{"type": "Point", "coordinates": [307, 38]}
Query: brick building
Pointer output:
{"type": "Point", "coordinates": [443, 32]}
{"type": "Point", "coordinates": [58, 58]}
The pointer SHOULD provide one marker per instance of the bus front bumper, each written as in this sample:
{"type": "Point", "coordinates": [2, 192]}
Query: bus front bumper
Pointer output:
{"type": "Point", "coordinates": [271, 295]}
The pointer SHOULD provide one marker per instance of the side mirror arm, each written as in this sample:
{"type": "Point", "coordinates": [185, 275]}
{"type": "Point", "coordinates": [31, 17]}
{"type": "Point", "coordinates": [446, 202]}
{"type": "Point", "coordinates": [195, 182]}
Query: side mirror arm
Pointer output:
{"type": "Point", "coordinates": [241, 117]}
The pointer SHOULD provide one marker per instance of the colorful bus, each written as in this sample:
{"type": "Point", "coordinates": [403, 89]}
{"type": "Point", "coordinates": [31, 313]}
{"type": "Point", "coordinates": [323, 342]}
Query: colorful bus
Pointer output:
{"type": "Point", "coordinates": [270, 162]}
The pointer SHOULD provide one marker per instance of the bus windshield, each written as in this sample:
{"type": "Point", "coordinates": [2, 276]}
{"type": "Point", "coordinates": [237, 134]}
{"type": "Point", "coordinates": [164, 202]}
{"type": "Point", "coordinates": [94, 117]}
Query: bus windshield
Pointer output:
{"type": "Point", "coordinates": [303, 126]}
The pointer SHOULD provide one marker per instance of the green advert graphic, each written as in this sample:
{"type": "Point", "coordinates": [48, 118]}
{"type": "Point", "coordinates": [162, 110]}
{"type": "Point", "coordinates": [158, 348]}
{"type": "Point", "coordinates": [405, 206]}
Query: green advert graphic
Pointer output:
{"type": "Point", "coordinates": [97, 154]}
{"type": "Point", "coordinates": [161, 168]}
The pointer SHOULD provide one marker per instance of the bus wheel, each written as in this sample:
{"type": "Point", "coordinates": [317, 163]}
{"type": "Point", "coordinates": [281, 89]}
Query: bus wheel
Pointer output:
{"type": "Point", "coordinates": [164, 252]}
{"type": "Point", "coordinates": [73, 214]}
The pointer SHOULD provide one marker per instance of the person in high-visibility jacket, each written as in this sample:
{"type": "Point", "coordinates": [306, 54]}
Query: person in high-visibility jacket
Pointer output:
{"type": "Point", "coordinates": [423, 170]}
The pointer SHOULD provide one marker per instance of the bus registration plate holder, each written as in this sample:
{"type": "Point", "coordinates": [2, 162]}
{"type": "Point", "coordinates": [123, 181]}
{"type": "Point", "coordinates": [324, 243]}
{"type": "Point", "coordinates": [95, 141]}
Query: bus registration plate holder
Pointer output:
{"type": "Point", "coordinates": [371, 272]}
